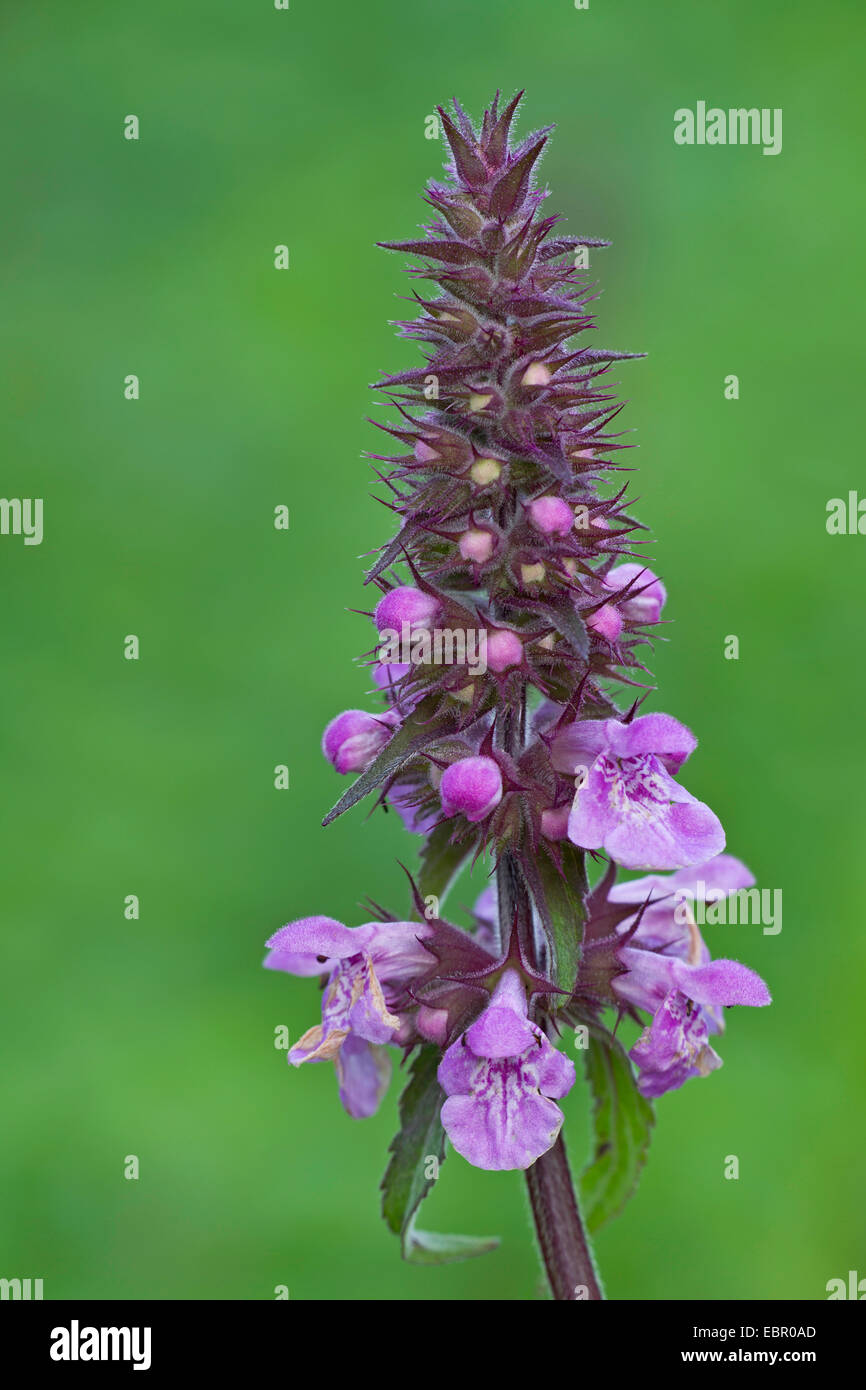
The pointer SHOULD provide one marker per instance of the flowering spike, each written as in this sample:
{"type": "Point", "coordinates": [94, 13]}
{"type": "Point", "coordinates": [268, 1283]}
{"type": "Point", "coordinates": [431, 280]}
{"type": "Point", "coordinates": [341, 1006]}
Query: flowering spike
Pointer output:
{"type": "Point", "coordinates": [512, 603]}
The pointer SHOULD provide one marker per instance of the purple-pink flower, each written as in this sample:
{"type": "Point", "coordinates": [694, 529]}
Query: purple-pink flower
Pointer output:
{"type": "Point", "coordinates": [628, 802]}
{"type": "Point", "coordinates": [352, 740]}
{"type": "Point", "coordinates": [513, 525]}
{"type": "Point", "coordinates": [646, 595]}
{"type": "Point", "coordinates": [675, 1047]}
{"type": "Point", "coordinates": [502, 1078]}
{"type": "Point", "coordinates": [472, 786]}
{"type": "Point", "coordinates": [405, 604]}
{"type": "Point", "coordinates": [365, 967]}
{"type": "Point", "coordinates": [669, 972]}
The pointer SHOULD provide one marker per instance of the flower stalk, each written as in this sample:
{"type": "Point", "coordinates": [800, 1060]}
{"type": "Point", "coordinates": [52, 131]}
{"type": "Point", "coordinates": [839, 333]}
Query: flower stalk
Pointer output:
{"type": "Point", "coordinates": [562, 1240]}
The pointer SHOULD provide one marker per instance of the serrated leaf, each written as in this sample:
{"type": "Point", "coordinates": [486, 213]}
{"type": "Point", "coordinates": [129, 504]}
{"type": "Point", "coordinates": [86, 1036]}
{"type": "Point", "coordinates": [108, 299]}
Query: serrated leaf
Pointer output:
{"type": "Point", "coordinates": [413, 735]}
{"type": "Point", "coordinates": [405, 1184]}
{"type": "Point", "coordinates": [622, 1121]}
{"type": "Point", "coordinates": [441, 862]}
{"type": "Point", "coordinates": [559, 899]}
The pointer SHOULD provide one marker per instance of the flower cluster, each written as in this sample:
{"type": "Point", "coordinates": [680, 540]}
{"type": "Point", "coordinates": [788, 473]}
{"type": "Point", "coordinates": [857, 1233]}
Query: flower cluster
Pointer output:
{"type": "Point", "coordinates": [511, 527]}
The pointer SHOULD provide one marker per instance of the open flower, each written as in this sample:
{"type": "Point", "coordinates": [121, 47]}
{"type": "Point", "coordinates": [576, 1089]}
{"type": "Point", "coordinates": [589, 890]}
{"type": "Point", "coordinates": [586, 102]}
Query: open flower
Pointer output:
{"type": "Point", "coordinates": [670, 973]}
{"type": "Point", "coordinates": [628, 802]}
{"type": "Point", "coordinates": [667, 922]}
{"type": "Point", "coordinates": [674, 1048]}
{"type": "Point", "coordinates": [366, 966]}
{"type": "Point", "coordinates": [502, 1077]}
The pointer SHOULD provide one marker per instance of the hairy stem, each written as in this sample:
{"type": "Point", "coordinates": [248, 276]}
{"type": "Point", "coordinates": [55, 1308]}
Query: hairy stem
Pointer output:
{"type": "Point", "coordinates": [561, 1238]}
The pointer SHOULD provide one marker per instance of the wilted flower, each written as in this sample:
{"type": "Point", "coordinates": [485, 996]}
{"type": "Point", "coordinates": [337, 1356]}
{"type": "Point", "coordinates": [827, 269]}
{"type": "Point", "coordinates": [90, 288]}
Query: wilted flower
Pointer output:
{"type": "Point", "coordinates": [669, 972]}
{"type": "Point", "coordinates": [364, 965]}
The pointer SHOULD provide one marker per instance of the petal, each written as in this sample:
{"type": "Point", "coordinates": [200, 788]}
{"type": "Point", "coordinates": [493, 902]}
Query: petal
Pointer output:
{"type": "Point", "coordinates": [593, 815]}
{"type": "Point", "coordinates": [511, 1131]}
{"type": "Point", "coordinates": [295, 963]}
{"type": "Point", "coordinates": [637, 890]}
{"type": "Point", "coordinates": [363, 1073]}
{"type": "Point", "coordinates": [556, 1072]}
{"type": "Point", "coordinates": [309, 938]}
{"type": "Point", "coordinates": [405, 801]}
{"type": "Point", "coordinates": [649, 978]}
{"type": "Point", "coordinates": [722, 982]}
{"type": "Point", "coordinates": [669, 837]}
{"type": "Point", "coordinates": [653, 733]}
{"type": "Point", "coordinates": [673, 1048]}
{"type": "Point", "coordinates": [647, 596]}
{"type": "Point", "coordinates": [318, 1044]}
{"type": "Point", "coordinates": [578, 745]}
{"type": "Point", "coordinates": [395, 949]}
{"type": "Point", "coordinates": [366, 1011]}
{"type": "Point", "coordinates": [486, 909]}
{"type": "Point", "coordinates": [499, 1032]}
{"type": "Point", "coordinates": [722, 874]}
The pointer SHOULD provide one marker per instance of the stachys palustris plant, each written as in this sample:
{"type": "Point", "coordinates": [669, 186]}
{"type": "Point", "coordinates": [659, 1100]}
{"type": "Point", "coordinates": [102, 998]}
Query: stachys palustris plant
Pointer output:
{"type": "Point", "coordinates": [511, 604]}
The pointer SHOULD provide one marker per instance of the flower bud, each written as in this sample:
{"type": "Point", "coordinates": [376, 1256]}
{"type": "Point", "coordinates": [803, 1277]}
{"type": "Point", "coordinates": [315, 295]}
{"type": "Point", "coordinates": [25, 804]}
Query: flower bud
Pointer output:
{"type": "Point", "coordinates": [405, 605]}
{"type": "Point", "coordinates": [606, 621]}
{"type": "Point", "coordinates": [472, 786]}
{"type": "Point", "coordinates": [432, 1024]}
{"type": "Point", "coordinates": [504, 649]}
{"type": "Point", "coordinates": [554, 822]}
{"type": "Point", "coordinates": [477, 545]}
{"type": "Point", "coordinates": [352, 740]}
{"type": "Point", "coordinates": [644, 606]}
{"type": "Point", "coordinates": [386, 674]}
{"type": "Point", "coordinates": [551, 516]}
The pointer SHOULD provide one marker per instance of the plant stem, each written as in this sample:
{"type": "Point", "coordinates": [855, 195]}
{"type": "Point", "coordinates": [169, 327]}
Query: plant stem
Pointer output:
{"type": "Point", "coordinates": [561, 1238]}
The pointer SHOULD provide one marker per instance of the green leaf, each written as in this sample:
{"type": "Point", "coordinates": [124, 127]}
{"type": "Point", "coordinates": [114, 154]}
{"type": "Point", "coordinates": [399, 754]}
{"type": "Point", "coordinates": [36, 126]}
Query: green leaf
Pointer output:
{"type": "Point", "coordinates": [413, 735]}
{"type": "Point", "coordinates": [441, 862]}
{"type": "Point", "coordinates": [559, 898]}
{"type": "Point", "coordinates": [429, 1248]}
{"type": "Point", "coordinates": [623, 1122]}
{"type": "Point", "coordinates": [406, 1184]}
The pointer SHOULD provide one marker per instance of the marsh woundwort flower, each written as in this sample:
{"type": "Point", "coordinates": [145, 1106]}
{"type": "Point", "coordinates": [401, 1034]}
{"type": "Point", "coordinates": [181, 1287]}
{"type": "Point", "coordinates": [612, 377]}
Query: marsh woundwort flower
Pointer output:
{"type": "Point", "coordinates": [511, 521]}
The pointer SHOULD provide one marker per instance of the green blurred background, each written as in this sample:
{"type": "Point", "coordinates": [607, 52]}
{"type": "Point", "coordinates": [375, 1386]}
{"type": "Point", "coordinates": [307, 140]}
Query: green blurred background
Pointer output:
{"type": "Point", "coordinates": [155, 777]}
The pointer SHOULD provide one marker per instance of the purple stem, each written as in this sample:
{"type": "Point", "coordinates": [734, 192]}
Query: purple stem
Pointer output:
{"type": "Point", "coordinates": [561, 1237]}
{"type": "Point", "coordinates": [564, 1249]}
